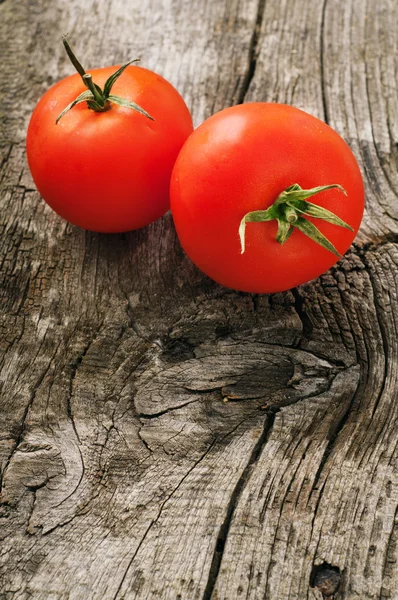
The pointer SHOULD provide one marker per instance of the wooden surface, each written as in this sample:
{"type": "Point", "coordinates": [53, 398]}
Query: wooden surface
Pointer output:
{"type": "Point", "coordinates": [162, 437]}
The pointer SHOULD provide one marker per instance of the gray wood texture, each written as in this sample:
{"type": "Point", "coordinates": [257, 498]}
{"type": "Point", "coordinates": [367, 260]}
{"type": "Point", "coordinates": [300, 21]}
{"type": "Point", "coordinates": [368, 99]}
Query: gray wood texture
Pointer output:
{"type": "Point", "coordinates": [162, 437]}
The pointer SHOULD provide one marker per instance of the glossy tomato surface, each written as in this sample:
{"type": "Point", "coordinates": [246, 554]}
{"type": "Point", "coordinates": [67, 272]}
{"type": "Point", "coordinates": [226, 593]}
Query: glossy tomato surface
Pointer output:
{"type": "Point", "coordinates": [240, 160]}
{"type": "Point", "coordinates": [108, 171]}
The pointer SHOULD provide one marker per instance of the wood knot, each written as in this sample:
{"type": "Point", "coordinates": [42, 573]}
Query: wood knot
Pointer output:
{"type": "Point", "coordinates": [326, 579]}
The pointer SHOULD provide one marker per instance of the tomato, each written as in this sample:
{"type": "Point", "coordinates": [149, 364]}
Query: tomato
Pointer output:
{"type": "Point", "coordinates": [253, 162]}
{"type": "Point", "coordinates": [110, 170]}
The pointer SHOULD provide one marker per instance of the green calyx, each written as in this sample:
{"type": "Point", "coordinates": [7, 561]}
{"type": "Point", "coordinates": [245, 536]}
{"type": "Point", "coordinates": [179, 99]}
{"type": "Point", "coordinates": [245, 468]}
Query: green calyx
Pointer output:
{"type": "Point", "coordinates": [290, 209]}
{"type": "Point", "coordinates": [99, 99]}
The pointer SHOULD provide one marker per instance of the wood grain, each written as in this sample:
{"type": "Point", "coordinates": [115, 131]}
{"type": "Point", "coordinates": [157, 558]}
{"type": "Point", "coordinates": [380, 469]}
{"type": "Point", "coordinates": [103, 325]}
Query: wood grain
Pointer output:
{"type": "Point", "coordinates": [161, 436]}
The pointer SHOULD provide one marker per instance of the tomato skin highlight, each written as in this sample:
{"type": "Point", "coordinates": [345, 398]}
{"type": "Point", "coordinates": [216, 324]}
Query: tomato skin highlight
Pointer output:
{"type": "Point", "coordinates": [240, 160]}
{"type": "Point", "coordinates": [108, 171]}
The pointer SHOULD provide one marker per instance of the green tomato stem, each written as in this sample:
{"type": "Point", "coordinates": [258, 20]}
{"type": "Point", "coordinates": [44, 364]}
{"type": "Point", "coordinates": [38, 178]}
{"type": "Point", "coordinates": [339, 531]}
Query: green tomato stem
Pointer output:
{"type": "Point", "coordinates": [97, 99]}
{"type": "Point", "coordinates": [97, 93]}
{"type": "Point", "coordinates": [289, 210]}
{"type": "Point", "coordinates": [79, 68]}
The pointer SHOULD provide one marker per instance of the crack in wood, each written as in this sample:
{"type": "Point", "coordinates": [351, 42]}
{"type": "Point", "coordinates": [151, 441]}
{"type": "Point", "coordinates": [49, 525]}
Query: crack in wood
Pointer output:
{"type": "Point", "coordinates": [156, 415]}
{"type": "Point", "coordinates": [143, 440]}
{"type": "Point", "coordinates": [322, 63]}
{"type": "Point", "coordinates": [253, 52]}
{"type": "Point", "coordinates": [299, 306]}
{"type": "Point", "coordinates": [234, 499]}
{"type": "Point", "coordinates": [338, 428]}
{"type": "Point", "coordinates": [391, 545]}
{"type": "Point", "coordinates": [74, 369]}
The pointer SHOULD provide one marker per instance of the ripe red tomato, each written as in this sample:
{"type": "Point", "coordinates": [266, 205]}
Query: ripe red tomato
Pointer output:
{"type": "Point", "coordinates": [239, 162]}
{"type": "Point", "coordinates": [108, 171]}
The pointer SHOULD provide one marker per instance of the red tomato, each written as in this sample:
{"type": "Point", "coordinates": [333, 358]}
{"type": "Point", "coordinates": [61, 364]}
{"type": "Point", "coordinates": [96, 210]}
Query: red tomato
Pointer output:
{"type": "Point", "coordinates": [108, 171]}
{"type": "Point", "coordinates": [240, 160]}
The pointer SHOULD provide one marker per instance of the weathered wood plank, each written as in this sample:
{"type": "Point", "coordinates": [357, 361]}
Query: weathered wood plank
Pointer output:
{"type": "Point", "coordinates": [163, 437]}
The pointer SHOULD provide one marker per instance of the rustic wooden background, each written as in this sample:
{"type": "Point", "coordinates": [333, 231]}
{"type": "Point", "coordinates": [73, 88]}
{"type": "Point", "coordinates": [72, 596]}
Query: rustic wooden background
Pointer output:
{"type": "Point", "coordinates": [162, 437]}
